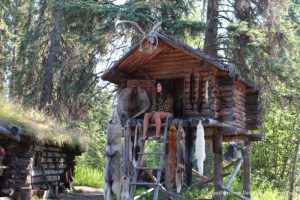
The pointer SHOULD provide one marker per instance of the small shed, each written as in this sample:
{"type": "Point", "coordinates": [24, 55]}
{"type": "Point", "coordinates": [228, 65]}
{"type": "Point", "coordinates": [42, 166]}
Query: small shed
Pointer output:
{"type": "Point", "coordinates": [204, 89]}
{"type": "Point", "coordinates": [38, 156]}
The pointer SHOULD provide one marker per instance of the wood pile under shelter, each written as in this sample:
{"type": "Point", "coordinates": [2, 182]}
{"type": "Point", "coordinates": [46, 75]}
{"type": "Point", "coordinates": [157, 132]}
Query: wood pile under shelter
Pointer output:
{"type": "Point", "coordinates": [204, 89]}
{"type": "Point", "coordinates": [32, 167]}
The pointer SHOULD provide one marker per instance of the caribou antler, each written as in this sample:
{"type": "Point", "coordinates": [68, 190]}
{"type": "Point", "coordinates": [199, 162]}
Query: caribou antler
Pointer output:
{"type": "Point", "coordinates": [150, 36]}
{"type": "Point", "coordinates": [118, 22]}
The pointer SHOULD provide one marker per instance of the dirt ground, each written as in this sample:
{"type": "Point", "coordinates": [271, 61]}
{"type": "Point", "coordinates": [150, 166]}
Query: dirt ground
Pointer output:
{"type": "Point", "coordinates": [86, 194]}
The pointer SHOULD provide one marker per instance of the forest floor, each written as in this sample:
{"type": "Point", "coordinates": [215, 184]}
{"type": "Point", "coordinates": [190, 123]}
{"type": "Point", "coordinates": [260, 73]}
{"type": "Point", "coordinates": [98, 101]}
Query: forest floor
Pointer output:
{"type": "Point", "coordinates": [86, 193]}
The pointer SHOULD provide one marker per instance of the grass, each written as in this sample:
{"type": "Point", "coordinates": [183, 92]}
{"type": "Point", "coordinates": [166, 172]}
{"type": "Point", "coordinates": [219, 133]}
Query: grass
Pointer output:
{"type": "Point", "coordinates": [87, 176]}
{"type": "Point", "coordinates": [38, 126]}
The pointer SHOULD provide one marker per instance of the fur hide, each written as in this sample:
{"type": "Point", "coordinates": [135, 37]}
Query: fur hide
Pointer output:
{"type": "Point", "coordinates": [125, 188]}
{"type": "Point", "coordinates": [180, 157]}
{"type": "Point", "coordinates": [200, 147]}
{"type": "Point", "coordinates": [171, 156]}
{"type": "Point", "coordinates": [199, 102]}
{"type": "Point", "coordinates": [192, 88]}
{"type": "Point", "coordinates": [189, 150]}
{"type": "Point", "coordinates": [113, 158]}
{"type": "Point", "coordinates": [138, 144]}
{"type": "Point", "coordinates": [132, 102]}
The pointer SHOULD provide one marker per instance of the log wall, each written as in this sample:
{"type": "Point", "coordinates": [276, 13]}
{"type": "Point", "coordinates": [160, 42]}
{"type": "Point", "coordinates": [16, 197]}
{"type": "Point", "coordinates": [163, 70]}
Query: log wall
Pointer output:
{"type": "Point", "coordinates": [32, 168]}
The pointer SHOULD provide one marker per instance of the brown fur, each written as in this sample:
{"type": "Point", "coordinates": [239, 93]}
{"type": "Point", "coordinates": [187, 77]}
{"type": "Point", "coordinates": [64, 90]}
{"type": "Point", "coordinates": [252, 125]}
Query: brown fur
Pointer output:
{"type": "Point", "coordinates": [180, 152]}
{"type": "Point", "coordinates": [172, 155]}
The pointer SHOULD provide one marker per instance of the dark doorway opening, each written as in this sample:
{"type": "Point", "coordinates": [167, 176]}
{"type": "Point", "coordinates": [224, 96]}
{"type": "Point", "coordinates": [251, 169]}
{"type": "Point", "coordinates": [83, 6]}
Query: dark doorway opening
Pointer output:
{"type": "Point", "coordinates": [176, 87]}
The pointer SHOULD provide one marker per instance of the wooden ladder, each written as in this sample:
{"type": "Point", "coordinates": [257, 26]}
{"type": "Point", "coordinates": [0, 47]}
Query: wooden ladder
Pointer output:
{"type": "Point", "coordinates": [156, 185]}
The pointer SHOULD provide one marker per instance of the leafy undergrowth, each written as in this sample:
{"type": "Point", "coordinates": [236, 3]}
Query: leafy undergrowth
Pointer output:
{"type": "Point", "coordinates": [87, 176]}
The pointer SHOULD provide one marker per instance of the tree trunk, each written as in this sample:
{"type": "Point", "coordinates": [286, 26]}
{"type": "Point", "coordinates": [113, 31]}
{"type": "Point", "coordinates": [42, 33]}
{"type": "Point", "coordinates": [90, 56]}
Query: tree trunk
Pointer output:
{"type": "Point", "coordinates": [52, 60]}
{"type": "Point", "coordinates": [294, 169]}
{"type": "Point", "coordinates": [15, 6]}
{"type": "Point", "coordinates": [211, 33]}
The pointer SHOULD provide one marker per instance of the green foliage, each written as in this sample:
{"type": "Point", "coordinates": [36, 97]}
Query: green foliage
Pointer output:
{"type": "Point", "coordinates": [88, 176]}
{"type": "Point", "coordinates": [272, 157]}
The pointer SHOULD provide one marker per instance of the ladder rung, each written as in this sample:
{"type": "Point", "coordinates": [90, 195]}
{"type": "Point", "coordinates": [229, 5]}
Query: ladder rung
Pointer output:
{"type": "Point", "coordinates": [144, 183]}
{"type": "Point", "coordinates": [151, 153]}
{"type": "Point", "coordinates": [148, 168]}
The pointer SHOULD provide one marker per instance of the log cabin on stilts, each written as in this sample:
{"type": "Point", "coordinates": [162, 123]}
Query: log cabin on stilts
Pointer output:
{"type": "Point", "coordinates": [205, 90]}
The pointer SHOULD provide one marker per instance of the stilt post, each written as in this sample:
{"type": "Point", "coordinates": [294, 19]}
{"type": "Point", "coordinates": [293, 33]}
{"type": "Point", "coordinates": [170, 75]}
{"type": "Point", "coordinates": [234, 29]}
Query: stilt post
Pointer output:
{"type": "Point", "coordinates": [218, 167]}
{"type": "Point", "coordinates": [247, 170]}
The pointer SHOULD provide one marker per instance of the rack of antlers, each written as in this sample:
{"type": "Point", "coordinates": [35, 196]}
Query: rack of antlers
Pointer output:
{"type": "Point", "coordinates": [150, 36]}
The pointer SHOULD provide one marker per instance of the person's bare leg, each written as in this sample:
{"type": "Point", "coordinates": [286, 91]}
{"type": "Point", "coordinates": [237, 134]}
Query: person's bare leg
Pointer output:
{"type": "Point", "coordinates": [147, 118]}
{"type": "Point", "coordinates": [158, 117]}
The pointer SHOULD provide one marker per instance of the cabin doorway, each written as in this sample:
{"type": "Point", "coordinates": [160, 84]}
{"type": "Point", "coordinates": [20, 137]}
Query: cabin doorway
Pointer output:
{"type": "Point", "coordinates": [176, 87]}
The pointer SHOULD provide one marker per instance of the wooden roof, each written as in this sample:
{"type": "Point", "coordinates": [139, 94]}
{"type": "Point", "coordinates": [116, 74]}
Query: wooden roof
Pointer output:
{"type": "Point", "coordinates": [135, 58]}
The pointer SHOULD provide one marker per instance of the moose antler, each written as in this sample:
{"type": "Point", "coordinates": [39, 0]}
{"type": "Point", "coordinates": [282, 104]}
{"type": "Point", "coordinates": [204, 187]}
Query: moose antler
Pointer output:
{"type": "Point", "coordinates": [150, 36]}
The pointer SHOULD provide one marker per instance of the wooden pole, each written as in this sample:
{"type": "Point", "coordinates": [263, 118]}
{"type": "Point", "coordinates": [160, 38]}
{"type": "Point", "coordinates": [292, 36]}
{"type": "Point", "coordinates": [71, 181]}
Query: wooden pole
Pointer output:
{"type": "Point", "coordinates": [247, 170]}
{"type": "Point", "coordinates": [218, 168]}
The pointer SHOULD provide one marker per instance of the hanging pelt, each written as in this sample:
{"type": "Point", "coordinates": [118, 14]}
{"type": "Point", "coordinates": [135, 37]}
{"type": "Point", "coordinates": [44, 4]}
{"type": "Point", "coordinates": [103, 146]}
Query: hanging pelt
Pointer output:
{"type": "Point", "coordinates": [192, 88]}
{"type": "Point", "coordinates": [125, 188]}
{"type": "Point", "coordinates": [180, 157]}
{"type": "Point", "coordinates": [171, 157]}
{"type": "Point", "coordinates": [200, 147]}
{"type": "Point", "coordinates": [189, 150]}
{"type": "Point", "coordinates": [137, 145]}
{"type": "Point", "coordinates": [113, 158]}
{"type": "Point", "coordinates": [199, 99]}
{"type": "Point", "coordinates": [206, 92]}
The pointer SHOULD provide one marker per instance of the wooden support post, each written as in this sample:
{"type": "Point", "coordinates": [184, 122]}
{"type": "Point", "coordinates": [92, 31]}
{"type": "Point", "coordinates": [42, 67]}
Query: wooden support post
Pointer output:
{"type": "Point", "coordinates": [218, 168]}
{"type": "Point", "coordinates": [247, 170]}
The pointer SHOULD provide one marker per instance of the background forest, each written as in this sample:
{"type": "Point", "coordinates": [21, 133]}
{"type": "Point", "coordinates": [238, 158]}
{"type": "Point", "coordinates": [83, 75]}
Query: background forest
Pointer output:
{"type": "Point", "coordinates": [53, 53]}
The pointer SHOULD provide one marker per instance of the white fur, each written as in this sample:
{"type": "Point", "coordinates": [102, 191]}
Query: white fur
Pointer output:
{"type": "Point", "coordinates": [113, 158]}
{"type": "Point", "coordinates": [125, 188]}
{"type": "Point", "coordinates": [137, 142]}
{"type": "Point", "coordinates": [200, 147]}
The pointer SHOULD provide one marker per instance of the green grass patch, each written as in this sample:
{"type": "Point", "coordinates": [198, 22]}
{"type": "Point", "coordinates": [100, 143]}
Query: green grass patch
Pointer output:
{"type": "Point", "coordinates": [87, 176]}
{"type": "Point", "coordinates": [38, 126]}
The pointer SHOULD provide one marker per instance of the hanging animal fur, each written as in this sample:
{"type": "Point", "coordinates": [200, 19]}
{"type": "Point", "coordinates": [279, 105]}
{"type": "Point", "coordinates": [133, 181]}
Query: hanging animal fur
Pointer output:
{"type": "Point", "coordinates": [189, 154]}
{"type": "Point", "coordinates": [200, 147]}
{"type": "Point", "coordinates": [137, 145]}
{"type": "Point", "coordinates": [113, 158]}
{"type": "Point", "coordinates": [192, 87]}
{"type": "Point", "coordinates": [125, 188]}
{"type": "Point", "coordinates": [199, 102]}
{"type": "Point", "coordinates": [206, 92]}
{"type": "Point", "coordinates": [180, 157]}
{"type": "Point", "coordinates": [171, 157]}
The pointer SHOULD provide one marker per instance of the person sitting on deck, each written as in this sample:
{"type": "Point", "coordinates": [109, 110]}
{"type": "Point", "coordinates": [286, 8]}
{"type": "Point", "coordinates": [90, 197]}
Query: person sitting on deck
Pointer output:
{"type": "Point", "coordinates": [162, 108]}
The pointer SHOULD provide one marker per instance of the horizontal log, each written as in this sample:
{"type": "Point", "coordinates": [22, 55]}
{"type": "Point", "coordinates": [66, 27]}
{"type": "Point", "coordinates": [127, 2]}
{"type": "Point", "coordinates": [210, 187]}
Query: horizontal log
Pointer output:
{"type": "Point", "coordinates": [51, 154]}
{"type": "Point", "coordinates": [9, 134]}
{"type": "Point", "coordinates": [226, 88]}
